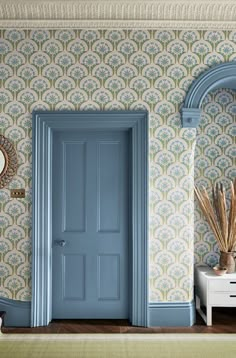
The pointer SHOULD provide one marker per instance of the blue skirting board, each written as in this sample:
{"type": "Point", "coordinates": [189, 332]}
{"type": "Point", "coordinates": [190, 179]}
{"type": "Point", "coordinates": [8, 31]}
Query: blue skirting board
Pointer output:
{"type": "Point", "coordinates": [18, 313]}
{"type": "Point", "coordinates": [181, 314]}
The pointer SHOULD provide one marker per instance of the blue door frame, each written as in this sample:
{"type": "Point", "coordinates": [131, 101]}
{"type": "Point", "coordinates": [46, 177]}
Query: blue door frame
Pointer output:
{"type": "Point", "coordinates": [44, 123]}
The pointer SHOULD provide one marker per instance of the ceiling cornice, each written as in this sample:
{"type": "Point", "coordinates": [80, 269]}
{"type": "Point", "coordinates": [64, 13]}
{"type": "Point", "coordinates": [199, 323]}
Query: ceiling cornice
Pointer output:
{"type": "Point", "coordinates": [176, 14]}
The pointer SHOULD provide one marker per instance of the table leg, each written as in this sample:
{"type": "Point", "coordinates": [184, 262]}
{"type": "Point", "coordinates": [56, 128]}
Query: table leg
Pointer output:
{"type": "Point", "coordinates": [209, 315]}
{"type": "Point", "coordinates": [200, 311]}
{"type": "Point", "coordinates": [198, 304]}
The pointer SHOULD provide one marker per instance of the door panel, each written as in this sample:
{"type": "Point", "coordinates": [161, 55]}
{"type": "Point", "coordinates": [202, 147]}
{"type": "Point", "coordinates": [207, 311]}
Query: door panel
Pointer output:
{"type": "Point", "coordinates": [109, 187]}
{"type": "Point", "coordinates": [74, 190]}
{"type": "Point", "coordinates": [73, 290]}
{"type": "Point", "coordinates": [90, 213]}
{"type": "Point", "coordinates": [109, 277]}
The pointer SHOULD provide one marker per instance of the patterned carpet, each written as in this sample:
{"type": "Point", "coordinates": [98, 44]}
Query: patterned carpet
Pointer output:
{"type": "Point", "coordinates": [118, 345]}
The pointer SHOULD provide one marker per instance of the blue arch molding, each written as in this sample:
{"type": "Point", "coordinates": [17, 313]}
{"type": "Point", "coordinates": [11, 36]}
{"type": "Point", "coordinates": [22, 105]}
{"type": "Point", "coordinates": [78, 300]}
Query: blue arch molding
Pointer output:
{"type": "Point", "coordinates": [220, 76]}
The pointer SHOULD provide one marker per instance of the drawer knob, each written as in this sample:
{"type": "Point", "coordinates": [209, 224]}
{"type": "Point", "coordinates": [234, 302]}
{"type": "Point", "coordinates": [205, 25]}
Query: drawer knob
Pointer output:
{"type": "Point", "coordinates": [232, 295]}
{"type": "Point", "coordinates": [233, 282]}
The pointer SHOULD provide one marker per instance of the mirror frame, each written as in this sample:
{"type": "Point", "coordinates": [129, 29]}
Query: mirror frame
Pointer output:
{"type": "Point", "coordinates": [10, 166]}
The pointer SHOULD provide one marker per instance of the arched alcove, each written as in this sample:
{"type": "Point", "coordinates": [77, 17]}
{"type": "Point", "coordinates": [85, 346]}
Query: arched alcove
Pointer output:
{"type": "Point", "coordinates": [212, 98]}
{"type": "Point", "coordinates": [214, 161]}
{"type": "Point", "coordinates": [220, 76]}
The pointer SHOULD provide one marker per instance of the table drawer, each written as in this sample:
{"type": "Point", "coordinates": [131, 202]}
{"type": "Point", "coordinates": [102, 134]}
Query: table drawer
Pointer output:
{"type": "Point", "coordinates": [222, 285]}
{"type": "Point", "coordinates": [222, 299]}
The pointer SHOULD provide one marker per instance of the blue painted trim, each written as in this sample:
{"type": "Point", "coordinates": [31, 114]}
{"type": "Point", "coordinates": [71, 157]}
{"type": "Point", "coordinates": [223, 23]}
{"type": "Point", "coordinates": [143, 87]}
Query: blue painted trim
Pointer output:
{"type": "Point", "coordinates": [180, 314]}
{"type": "Point", "coordinates": [190, 117]}
{"type": "Point", "coordinates": [220, 76]}
{"type": "Point", "coordinates": [17, 312]}
{"type": "Point", "coordinates": [44, 124]}
{"type": "Point", "coordinates": [41, 221]}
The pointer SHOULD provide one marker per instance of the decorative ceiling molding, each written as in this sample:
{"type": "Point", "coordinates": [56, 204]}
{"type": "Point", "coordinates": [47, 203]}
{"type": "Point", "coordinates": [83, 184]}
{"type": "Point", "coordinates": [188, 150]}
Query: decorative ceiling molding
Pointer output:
{"type": "Point", "coordinates": [182, 14]}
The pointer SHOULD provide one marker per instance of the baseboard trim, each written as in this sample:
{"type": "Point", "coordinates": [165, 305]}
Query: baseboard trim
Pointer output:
{"type": "Point", "coordinates": [17, 312]}
{"type": "Point", "coordinates": [181, 314]}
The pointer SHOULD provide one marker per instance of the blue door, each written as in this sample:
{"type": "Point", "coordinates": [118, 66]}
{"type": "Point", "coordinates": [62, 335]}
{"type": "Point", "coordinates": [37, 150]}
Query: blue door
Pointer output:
{"type": "Point", "coordinates": [90, 224]}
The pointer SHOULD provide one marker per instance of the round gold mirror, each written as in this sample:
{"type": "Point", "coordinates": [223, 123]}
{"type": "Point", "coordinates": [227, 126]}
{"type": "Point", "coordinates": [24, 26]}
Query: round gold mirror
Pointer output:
{"type": "Point", "coordinates": [3, 161]}
{"type": "Point", "coordinates": [8, 161]}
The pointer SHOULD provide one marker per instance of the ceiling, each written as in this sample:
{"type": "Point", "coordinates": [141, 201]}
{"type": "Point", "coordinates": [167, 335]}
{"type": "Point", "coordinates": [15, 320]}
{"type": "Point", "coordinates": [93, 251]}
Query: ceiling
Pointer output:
{"type": "Point", "coordinates": [178, 14]}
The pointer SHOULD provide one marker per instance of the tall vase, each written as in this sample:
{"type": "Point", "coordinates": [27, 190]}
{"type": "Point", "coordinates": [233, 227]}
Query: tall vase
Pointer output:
{"type": "Point", "coordinates": [227, 259]}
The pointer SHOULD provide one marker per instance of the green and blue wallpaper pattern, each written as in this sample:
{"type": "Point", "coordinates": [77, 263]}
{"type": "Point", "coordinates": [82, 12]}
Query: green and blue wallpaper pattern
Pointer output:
{"type": "Point", "coordinates": [116, 69]}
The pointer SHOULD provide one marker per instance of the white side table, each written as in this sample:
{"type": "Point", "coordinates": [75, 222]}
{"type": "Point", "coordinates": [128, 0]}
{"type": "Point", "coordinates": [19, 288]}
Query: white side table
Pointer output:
{"type": "Point", "coordinates": [213, 291]}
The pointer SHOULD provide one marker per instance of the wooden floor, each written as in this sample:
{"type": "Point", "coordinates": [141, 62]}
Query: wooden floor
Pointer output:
{"type": "Point", "coordinates": [224, 321]}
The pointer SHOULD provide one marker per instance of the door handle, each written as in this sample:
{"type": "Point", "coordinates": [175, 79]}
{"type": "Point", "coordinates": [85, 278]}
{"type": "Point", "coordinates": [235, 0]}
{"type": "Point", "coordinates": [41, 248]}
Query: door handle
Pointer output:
{"type": "Point", "coordinates": [61, 243]}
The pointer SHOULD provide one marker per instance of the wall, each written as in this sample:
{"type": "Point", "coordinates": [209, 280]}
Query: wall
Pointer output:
{"type": "Point", "coordinates": [109, 69]}
{"type": "Point", "coordinates": [215, 161]}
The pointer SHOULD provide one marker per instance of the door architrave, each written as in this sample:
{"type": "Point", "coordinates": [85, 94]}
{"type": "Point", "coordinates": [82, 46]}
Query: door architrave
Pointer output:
{"type": "Point", "coordinates": [44, 124]}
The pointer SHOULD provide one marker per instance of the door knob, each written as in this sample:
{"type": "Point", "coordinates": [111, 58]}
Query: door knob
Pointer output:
{"type": "Point", "coordinates": [61, 243]}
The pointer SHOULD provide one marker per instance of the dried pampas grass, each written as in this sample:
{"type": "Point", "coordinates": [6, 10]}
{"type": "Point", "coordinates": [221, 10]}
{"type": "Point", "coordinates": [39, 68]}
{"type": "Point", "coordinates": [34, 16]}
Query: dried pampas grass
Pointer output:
{"type": "Point", "coordinates": [222, 224]}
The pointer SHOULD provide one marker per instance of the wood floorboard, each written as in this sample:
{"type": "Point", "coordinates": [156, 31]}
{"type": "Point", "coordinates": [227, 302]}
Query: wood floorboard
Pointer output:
{"type": "Point", "coordinates": [224, 321]}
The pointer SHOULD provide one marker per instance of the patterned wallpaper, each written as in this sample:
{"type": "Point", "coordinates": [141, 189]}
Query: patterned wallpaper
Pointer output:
{"type": "Point", "coordinates": [109, 69]}
{"type": "Point", "coordinates": [215, 161]}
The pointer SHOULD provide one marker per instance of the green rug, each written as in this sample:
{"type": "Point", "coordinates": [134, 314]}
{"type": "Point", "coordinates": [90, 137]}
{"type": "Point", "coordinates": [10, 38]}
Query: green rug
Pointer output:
{"type": "Point", "coordinates": [118, 345]}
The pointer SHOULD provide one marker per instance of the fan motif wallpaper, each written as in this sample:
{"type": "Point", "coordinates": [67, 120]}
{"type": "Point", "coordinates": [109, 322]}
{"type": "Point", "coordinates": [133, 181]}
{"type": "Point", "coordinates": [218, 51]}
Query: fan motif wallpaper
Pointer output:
{"type": "Point", "coordinates": [121, 70]}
